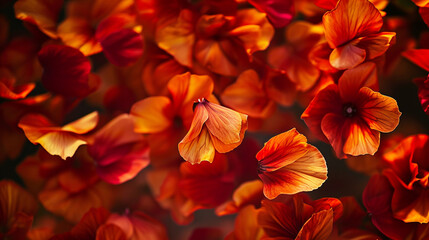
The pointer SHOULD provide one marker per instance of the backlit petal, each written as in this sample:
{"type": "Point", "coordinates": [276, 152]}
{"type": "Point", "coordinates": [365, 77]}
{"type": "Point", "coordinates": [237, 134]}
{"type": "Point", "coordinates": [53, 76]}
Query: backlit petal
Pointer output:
{"type": "Point", "coordinates": [349, 20]}
{"type": "Point", "coordinates": [152, 114]}
{"type": "Point", "coordinates": [347, 56]}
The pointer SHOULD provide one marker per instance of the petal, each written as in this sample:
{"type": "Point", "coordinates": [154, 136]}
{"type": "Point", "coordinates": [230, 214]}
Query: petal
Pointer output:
{"type": "Point", "coordinates": [418, 57]}
{"type": "Point", "coordinates": [110, 232]}
{"type": "Point", "coordinates": [43, 13]}
{"type": "Point", "coordinates": [347, 56]}
{"type": "Point", "coordinates": [90, 222]}
{"type": "Point", "coordinates": [424, 12]}
{"type": "Point", "coordinates": [253, 30]}
{"type": "Point", "coordinates": [222, 147]}
{"type": "Point", "coordinates": [280, 13]}
{"type": "Point", "coordinates": [280, 88]}
{"type": "Point", "coordinates": [122, 47]}
{"type": "Point", "coordinates": [177, 37]}
{"type": "Point", "coordinates": [197, 149]}
{"type": "Point", "coordinates": [147, 227]}
{"type": "Point", "coordinates": [376, 44]}
{"type": "Point", "coordinates": [66, 71]}
{"type": "Point", "coordinates": [152, 114]}
{"type": "Point", "coordinates": [318, 227]}
{"type": "Point", "coordinates": [213, 55]}
{"type": "Point", "coordinates": [380, 112]}
{"type": "Point", "coordinates": [79, 34]}
{"type": "Point", "coordinates": [246, 224]}
{"type": "Point", "coordinates": [352, 80]}
{"type": "Point", "coordinates": [281, 150]}
{"type": "Point", "coordinates": [224, 123]}
{"type": "Point", "coordinates": [319, 107]}
{"type": "Point", "coordinates": [349, 20]}
{"type": "Point", "coordinates": [13, 200]}
{"type": "Point", "coordinates": [305, 174]}
{"type": "Point", "coordinates": [186, 89]}
{"type": "Point", "coordinates": [248, 96]}
{"type": "Point", "coordinates": [83, 124]}
{"type": "Point", "coordinates": [350, 136]}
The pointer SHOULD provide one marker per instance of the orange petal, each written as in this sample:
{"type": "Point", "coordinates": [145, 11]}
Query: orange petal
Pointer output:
{"type": "Point", "coordinates": [187, 88]}
{"type": "Point", "coordinates": [281, 150]}
{"type": "Point", "coordinates": [352, 80]}
{"type": "Point", "coordinates": [347, 56]}
{"type": "Point", "coordinates": [376, 44]}
{"type": "Point", "coordinates": [288, 165]}
{"type": "Point", "coordinates": [254, 30]}
{"type": "Point", "coordinates": [248, 96]}
{"type": "Point", "coordinates": [110, 232]}
{"type": "Point", "coordinates": [224, 123]}
{"type": "Point", "coordinates": [42, 13]}
{"type": "Point", "coordinates": [212, 55]}
{"type": "Point", "coordinates": [350, 136]}
{"type": "Point", "coordinates": [247, 193]}
{"type": "Point", "coordinates": [152, 114]}
{"type": "Point", "coordinates": [198, 149]}
{"type": "Point", "coordinates": [349, 20]}
{"type": "Point", "coordinates": [177, 37]}
{"type": "Point", "coordinates": [57, 141]}
{"type": "Point", "coordinates": [380, 112]}
{"type": "Point", "coordinates": [318, 227]}
{"type": "Point", "coordinates": [78, 33]}
{"type": "Point", "coordinates": [222, 147]}
{"type": "Point", "coordinates": [307, 173]}
{"type": "Point", "coordinates": [13, 200]}
{"type": "Point", "coordinates": [90, 222]}
{"type": "Point", "coordinates": [82, 125]}
{"type": "Point", "coordinates": [246, 225]}
{"type": "Point", "coordinates": [197, 145]}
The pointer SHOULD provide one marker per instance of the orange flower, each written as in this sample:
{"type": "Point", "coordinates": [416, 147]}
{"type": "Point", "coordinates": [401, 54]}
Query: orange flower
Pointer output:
{"type": "Point", "coordinates": [352, 31]}
{"type": "Point", "coordinates": [350, 115]}
{"type": "Point", "coordinates": [213, 128]}
{"type": "Point", "coordinates": [62, 141]}
{"type": "Point", "coordinates": [288, 165]}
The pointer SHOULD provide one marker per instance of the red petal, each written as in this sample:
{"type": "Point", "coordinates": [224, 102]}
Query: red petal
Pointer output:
{"type": "Point", "coordinates": [66, 71]}
{"type": "Point", "coordinates": [123, 47]}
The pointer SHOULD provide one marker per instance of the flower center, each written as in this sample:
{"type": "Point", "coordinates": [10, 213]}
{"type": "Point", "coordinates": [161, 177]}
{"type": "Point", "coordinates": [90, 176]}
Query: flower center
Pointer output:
{"type": "Point", "coordinates": [349, 110]}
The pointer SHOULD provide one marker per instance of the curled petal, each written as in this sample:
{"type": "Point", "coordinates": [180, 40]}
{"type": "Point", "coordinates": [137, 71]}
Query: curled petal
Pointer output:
{"type": "Point", "coordinates": [349, 20]}
{"type": "Point", "coordinates": [347, 56]}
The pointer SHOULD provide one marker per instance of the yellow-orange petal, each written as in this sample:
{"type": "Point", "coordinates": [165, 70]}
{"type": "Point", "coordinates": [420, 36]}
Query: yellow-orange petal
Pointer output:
{"type": "Point", "coordinates": [224, 123]}
{"type": "Point", "coordinates": [198, 149]}
{"type": "Point", "coordinates": [177, 37]}
{"type": "Point", "coordinates": [380, 112]}
{"type": "Point", "coordinates": [78, 33]}
{"type": "Point", "coordinates": [254, 30]}
{"type": "Point", "coordinates": [347, 56]}
{"type": "Point", "coordinates": [152, 114]}
{"type": "Point", "coordinates": [248, 95]}
{"type": "Point", "coordinates": [83, 124]}
{"type": "Point", "coordinates": [351, 19]}
{"type": "Point", "coordinates": [222, 147]}
{"type": "Point", "coordinates": [288, 165]}
{"type": "Point", "coordinates": [246, 225]}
